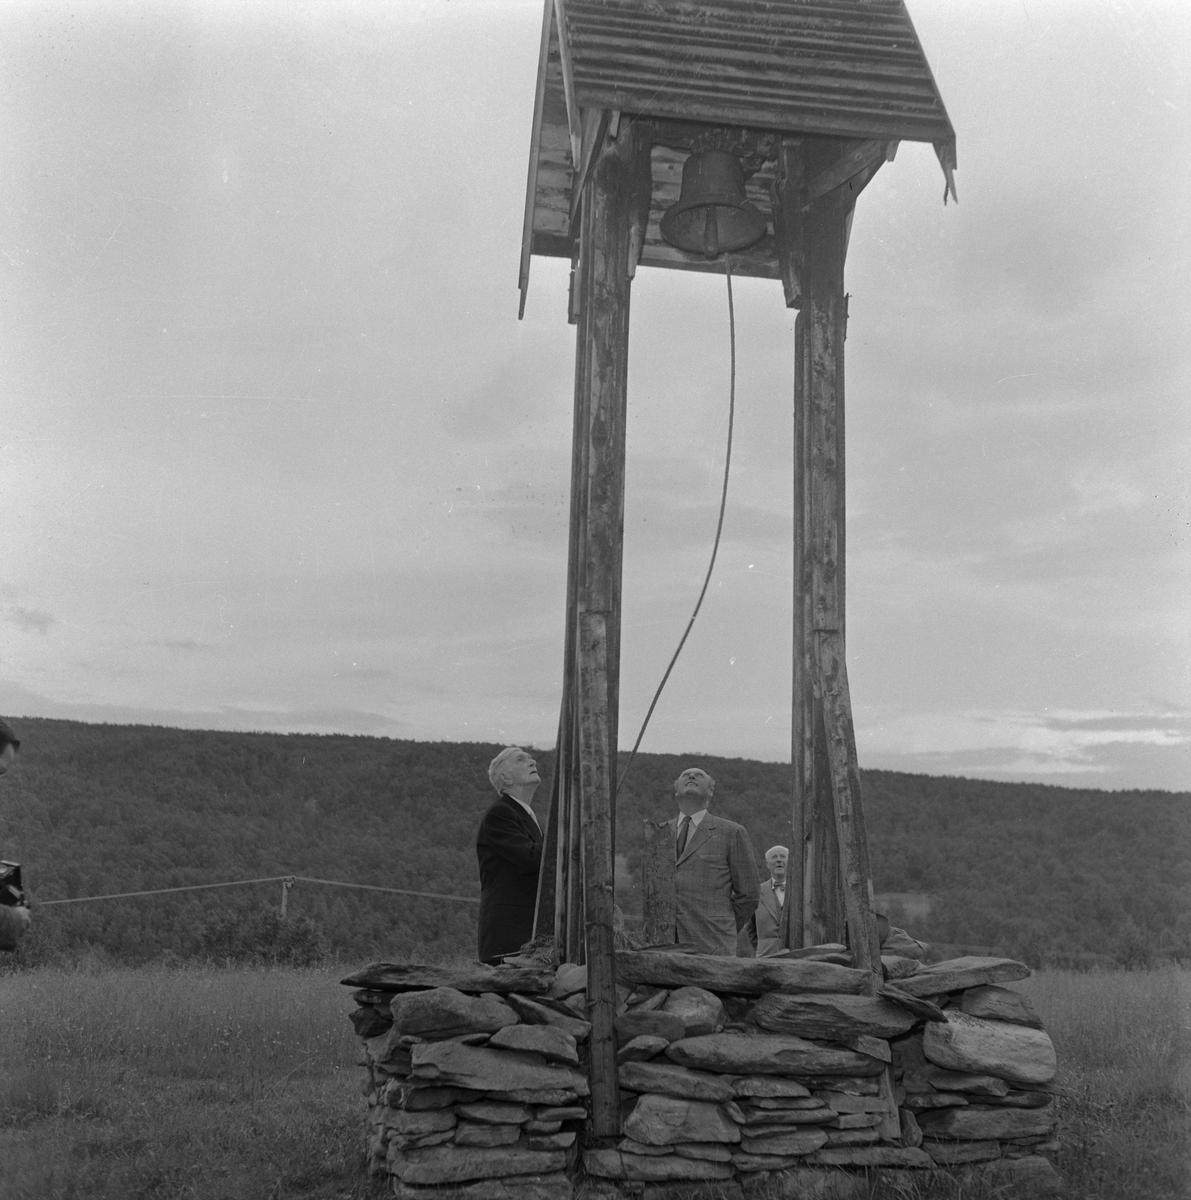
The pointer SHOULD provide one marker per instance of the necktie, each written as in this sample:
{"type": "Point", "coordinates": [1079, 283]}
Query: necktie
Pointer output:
{"type": "Point", "coordinates": [780, 893]}
{"type": "Point", "coordinates": [684, 827]}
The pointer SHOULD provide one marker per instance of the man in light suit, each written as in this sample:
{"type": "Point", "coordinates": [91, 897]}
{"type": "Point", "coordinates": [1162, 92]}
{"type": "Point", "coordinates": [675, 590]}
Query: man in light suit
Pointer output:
{"type": "Point", "coordinates": [509, 851]}
{"type": "Point", "coordinates": [715, 876]}
{"type": "Point", "coordinates": [765, 925]}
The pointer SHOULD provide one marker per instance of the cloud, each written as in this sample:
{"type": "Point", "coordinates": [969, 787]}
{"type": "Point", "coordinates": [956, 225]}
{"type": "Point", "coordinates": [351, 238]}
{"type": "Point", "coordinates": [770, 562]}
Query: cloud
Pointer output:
{"type": "Point", "coordinates": [1089, 745]}
{"type": "Point", "coordinates": [29, 620]}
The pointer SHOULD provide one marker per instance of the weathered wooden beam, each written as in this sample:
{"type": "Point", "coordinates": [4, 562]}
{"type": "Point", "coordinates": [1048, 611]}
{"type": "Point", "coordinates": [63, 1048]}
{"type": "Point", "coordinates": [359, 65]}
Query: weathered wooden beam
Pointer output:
{"type": "Point", "coordinates": [736, 976]}
{"type": "Point", "coordinates": [597, 782]}
{"type": "Point", "coordinates": [473, 978]}
{"type": "Point", "coordinates": [860, 156]}
{"type": "Point", "coordinates": [788, 194]}
{"type": "Point", "coordinates": [657, 876]}
{"type": "Point", "coordinates": [863, 938]}
{"type": "Point", "coordinates": [602, 375]}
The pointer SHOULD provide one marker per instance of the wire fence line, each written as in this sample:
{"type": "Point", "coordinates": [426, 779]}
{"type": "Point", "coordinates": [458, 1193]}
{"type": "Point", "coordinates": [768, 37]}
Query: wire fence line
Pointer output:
{"type": "Point", "coordinates": [286, 880]}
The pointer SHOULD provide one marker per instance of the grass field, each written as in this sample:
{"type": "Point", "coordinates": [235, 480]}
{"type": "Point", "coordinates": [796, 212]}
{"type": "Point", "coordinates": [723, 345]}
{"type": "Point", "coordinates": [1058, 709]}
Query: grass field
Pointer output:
{"type": "Point", "coordinates": [218, 1084]}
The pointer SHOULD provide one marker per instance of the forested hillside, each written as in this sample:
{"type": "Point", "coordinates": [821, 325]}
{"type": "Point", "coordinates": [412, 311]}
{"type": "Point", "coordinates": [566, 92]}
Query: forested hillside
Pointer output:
{"type": "Point", "coordinates": [1042, 873]}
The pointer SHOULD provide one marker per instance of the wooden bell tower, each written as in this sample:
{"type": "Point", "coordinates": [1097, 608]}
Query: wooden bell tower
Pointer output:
{"type": "Point", "coordinates": [812, 98]}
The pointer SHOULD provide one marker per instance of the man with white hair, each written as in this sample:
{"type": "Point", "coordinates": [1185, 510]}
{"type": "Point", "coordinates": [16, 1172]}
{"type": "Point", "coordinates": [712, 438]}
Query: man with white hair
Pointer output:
{"type": "Point", "coordinates": [765, 925]}
{"type": "Point", "coordinates": [509, 850]}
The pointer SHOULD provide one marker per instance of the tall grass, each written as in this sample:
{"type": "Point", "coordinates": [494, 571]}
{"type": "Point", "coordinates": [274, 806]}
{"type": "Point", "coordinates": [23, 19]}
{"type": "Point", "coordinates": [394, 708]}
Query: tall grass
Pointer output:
{"type": "Point", "coordinates": [199, 1082]}
{"type": "Point", "coordinates": [241, 1084]}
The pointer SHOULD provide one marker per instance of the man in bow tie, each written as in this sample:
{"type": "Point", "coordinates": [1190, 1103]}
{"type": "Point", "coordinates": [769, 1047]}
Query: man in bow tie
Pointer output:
{"type": "Point", "coordinates": [715, 876]}
{"type": "Point", "coordinates": [765, 926]}
{"type": "Point", "coordinates": [509, 851]}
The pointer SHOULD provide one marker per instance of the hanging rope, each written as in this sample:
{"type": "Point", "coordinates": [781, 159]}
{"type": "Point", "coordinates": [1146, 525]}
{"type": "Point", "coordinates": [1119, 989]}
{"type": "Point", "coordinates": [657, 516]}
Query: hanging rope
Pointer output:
{"type": "Point", "coordinates": [719, 528]}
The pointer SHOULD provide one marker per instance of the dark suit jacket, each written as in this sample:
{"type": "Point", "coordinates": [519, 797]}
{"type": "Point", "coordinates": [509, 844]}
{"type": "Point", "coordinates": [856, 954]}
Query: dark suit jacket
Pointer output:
{"type": "Point", "coordinates": [509, 850]}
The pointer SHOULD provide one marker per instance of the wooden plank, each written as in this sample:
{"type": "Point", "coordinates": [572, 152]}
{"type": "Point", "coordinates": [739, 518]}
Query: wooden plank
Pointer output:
{"type": "Point", "coordinates": [574, 120]}
{"type": "Point", "coordinates": [473, 978]}
{"type": "Point", "coordinates": [736, 976]}
{"type": "Point", "coordinates": [535, 139]}
{"type": "Point", "coordinates": [602, 372]}
{"type": "Point", "coordinates": [857, 158]}
{"type": "Point", "coordinates": [788, 235]}
{"type": "Point", "coordinates": [787, 198]}
{"type": "Point", "coordinates": [657, 876]}
{"type": "Point", "coordinates": [890, 1129]}
{"type": "Point", "coordinates": [863, 939]}
{"type": "Point", "coordinates": [597, 783]}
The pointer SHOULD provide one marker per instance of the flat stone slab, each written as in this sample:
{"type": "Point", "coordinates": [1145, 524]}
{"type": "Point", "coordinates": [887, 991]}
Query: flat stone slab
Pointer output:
{"type": "Point", "coordinates": [544, 1096]}
{"type": "Point", "coordinates": [469, 1134]}
{"type": "Point", "coordinates": [535, 1013]}
{"type": "Point", "coordinates": [699, 1010]}
{"type": "Point", "coordinates": [569, 979]}
{"type": "Point", "coordinates": [418, 1122]}
{"type": "Point", "coordinates": [960, 1081]}
{"type": "Point", "coordinates": [768, 1054]}
{"type": "Point", "coordinates": [635, 1023]}
{"type": "Point", "coordinates": [763, 1121]}
{"type": "Point", "coordinates": [738, 976]}
{"type": "Point", "coordinates": [978, 1122]}
{"type": "Point", "coordinates": [958, 973]}
{"type": "Point", "coordinates": [787, 1142]}
{"type": "Point", "coordinates": [494, 1112]}
{"type": "Point", "coordinates": [554, 1044]}
{"type": "Point", "coordinates": [613, 1164]}
{"type": "Point", "coordinates": [707, 1151]}
{"type": "Point", "coordinates": [460, 1164]}
{"type": "Point", "coordinates": [669, 1079]}
{"type": "Point", "coordinates": [874, 1156]}
{"type": "Point", "coordinates": [446, 1012]}
{"type": "Point", "coordinates": [852, 1137]}
{"type": "Point", "coordinates": [831, 1017]}
{"type": "Point", "coordinates": [768, 1086]}
{"type": "Point", "coordinates": [747, 1163]}
{"type": "Point", "coordinates": [665, 1120]}
{"type": "Point", "coordinates": [641, 1049]}
{"type": "Point", "coordinates": [561, 1140]}
{"type": "Point", "coordinates": [487, 1070]}
{"type": "Point", "coordinates": [1000, 1004]}
{"type": "Point", "coordinates": [562, 1112]}
{"type": "Point", "coordinates": [475, 979]}
{"type": "Point", "coordinates": [974, 1045]}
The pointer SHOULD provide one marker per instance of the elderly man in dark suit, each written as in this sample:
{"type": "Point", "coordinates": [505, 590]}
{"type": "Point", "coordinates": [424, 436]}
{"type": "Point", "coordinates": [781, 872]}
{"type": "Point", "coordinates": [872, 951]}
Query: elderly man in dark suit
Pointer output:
{"type": "Point", "coordinates": [509, 850]}
{"type": "Point", "coordinates": [715, 876]}
{"type": "Point", "coordinates": [765, 926]}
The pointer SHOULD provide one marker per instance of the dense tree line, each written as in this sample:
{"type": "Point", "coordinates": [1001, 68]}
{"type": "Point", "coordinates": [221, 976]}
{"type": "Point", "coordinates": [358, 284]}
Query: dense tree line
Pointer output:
{"type": "Point", "coordinates": [1043, 873]}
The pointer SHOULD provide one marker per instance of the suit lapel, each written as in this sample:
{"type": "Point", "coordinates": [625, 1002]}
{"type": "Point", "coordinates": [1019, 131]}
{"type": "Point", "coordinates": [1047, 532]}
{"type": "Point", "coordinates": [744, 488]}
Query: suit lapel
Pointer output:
{"type": "Point", "coordinates": [531, 826]}
{"type": "Point", "coordinates": [697, 837]}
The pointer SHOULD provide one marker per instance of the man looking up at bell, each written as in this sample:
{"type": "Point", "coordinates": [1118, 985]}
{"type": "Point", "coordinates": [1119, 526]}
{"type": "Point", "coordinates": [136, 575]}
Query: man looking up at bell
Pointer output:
{"type": "Point", "coordinates": [509, 851]}
{"type": "Point", "coordinates": [715, 875]}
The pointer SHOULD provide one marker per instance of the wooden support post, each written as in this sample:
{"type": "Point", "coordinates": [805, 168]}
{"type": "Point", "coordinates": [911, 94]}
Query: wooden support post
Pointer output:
{"type": "Point", "coordinates": [586, 853]}
{"type": "Point", "coordinates": [657, 877]}
{"type": "Point", "coordinates": [830, 883]}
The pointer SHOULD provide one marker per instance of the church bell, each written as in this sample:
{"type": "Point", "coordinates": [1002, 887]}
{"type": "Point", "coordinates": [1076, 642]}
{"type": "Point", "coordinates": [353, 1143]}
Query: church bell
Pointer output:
{"type": "Point", "coordinates": [712, 214]}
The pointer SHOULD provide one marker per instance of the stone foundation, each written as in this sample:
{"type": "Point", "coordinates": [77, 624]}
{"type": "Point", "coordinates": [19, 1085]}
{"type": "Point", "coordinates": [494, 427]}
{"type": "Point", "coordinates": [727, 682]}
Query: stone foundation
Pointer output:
{"type": "Point", "coordinates": [733, 1074]}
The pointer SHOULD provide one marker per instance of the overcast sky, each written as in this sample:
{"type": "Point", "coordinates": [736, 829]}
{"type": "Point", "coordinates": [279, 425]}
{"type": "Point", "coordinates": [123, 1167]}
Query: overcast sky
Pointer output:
{"type": "Point", "coordinates": [277, 454]}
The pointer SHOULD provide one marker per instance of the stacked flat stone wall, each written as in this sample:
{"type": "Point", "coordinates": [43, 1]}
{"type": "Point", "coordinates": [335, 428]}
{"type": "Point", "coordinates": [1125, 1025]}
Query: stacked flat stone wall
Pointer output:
{"type": "Point", "coordinates": [733, 1073]}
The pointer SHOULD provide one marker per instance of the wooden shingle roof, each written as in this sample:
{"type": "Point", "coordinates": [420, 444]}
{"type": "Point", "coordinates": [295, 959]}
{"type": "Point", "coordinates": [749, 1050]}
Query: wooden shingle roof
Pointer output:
{"type": "Point", "coordinates": [841, 68]}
